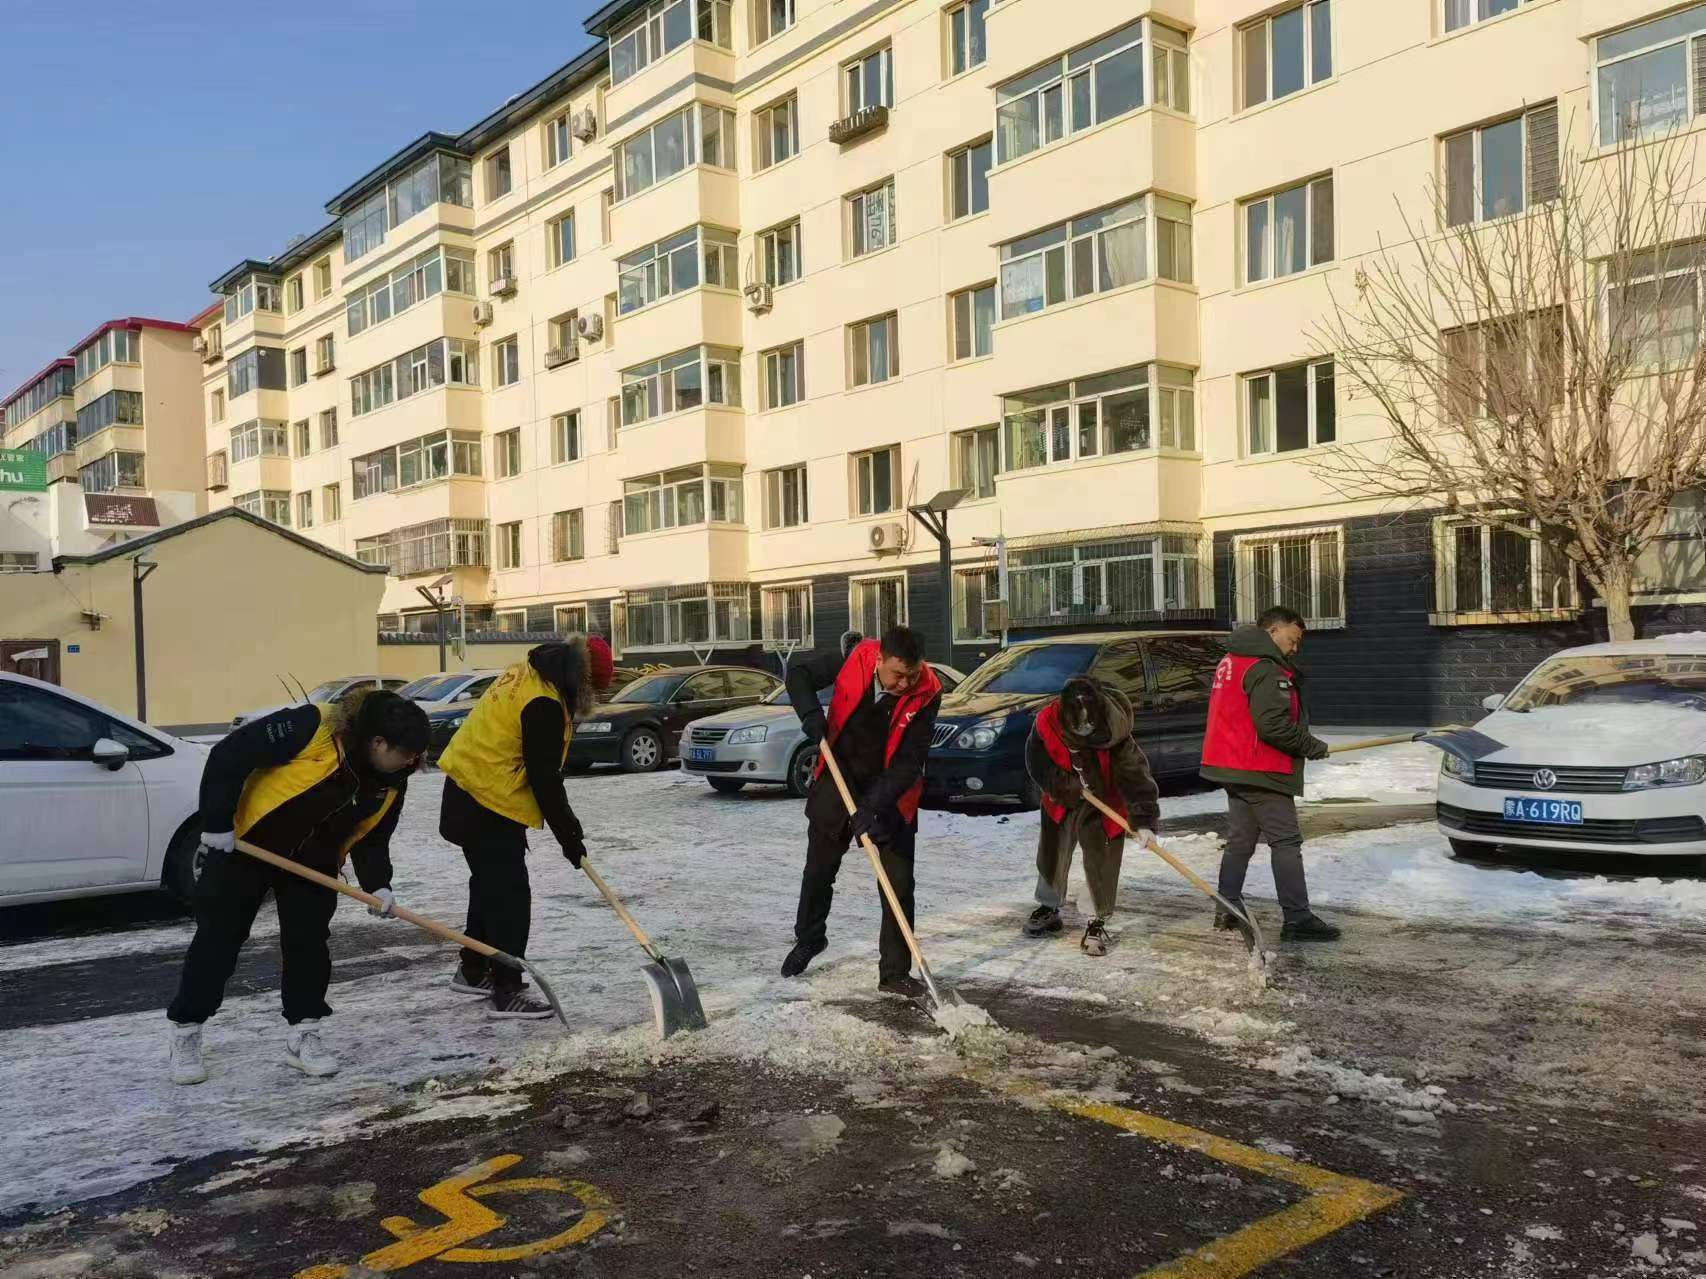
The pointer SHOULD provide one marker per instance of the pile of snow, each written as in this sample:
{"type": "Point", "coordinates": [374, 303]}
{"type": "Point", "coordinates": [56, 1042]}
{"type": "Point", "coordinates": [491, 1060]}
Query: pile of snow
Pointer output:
{"type": "Point", "coordinates": [1301, 1065]}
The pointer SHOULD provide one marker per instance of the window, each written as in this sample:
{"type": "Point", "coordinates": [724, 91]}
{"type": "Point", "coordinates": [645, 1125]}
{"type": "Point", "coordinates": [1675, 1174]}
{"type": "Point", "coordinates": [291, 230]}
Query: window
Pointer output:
{"type": "Point", "coordinates": [115, 408]}
{"type": "Point", "coordinates": [1288, 231]}
{"type": "Point", "coordinates": [697, 134]}
{"type": "Point", "coordinates": [566, 437]}
{"type": "Point", "coordinates": [506, 362]}
{"type": "Point", "coordinates": [967, 45]}
{"type": "Point", "coordinates": [868, 82]}
{"type": "Point", "coordinates": [1487, 567]}
{"type": "Point", "coordinates": [1460, 13]}
{"type": "Point", "coordinates": [1284, 51]}
{"type": "Point", "coordinates": [259, 367]}
{"type": "Point", "coordinates": [676, 499]}
{"type": "Point", "coordinates": [216, 406]}
{"type": "Point", "coordinates": [564, 336]}
{"type": "Point", "coordinates": [784, 372]}
{"type": "Point", "coordinates": [56, 383]}
{"type": "Point", "coordinates": [272, 505]}
{"type": "Point", "coordinates": [870, 219]}
{"type": "Point", "coordinates": [676, 264]}
{"type": "Point", "coordinates": [293, 295]}
{"type": "Point", "coordinates": [257, 293]}
{"type": "Point", "coordinates": [873, 350]}
{"type": "Point", "coordinates": [1098, 416]}
{"type": "Point", "coordinates": [570, 619]}
{"type": "Point", "coordinates": [427, 548]}
{"type": "Point", "coordinates": [419, 461]}
{"type": "Point", "coordinates": [566, 540]}
{"type": "Point", "coordinates": [329, 428]}
{"type": "Point", "coordinates": [972, 586]}
{"type": "Point", "coordinates": [686, 380]}
{"type": "Point", "coordinates": [509, 545]}
{"type": "Point", "coordinates": [785, 497]}
{"type": "Point", "coordinates": [332, 503]}
{"type": "Point", "coordinates": [560, 239]}
{"type": "Point", "coordinates": [1675, 560]}
{"type": "Point", "coordinates": [876, 482]}
{"type": "Point", "coordinates": [444, 360]}
{"type": "Point", "coordinates": [973, 313]}
{"type": "Point", "coordinates": [787, 614]}
{"type": "Point", "coordinates": [1298, 569]}
{"type": "Point", "coordinates": [500, 178]}
{"type": "Point", "coordinates": [613, 529]}
{"type": "Point", "coordinates": [1503, 168]}
{"type": "Point", "coordinates": [1643, 76]}
{"type": "Point", "coordinates": [663, 27]}
{"type": "Point", "coordinates": [115, 346]}
{"type": "Point", "coordinates": [1172, 70]}
{"type": "Point", "coordinates": [37, 725]}
{"type": "Point", "coordinates": [1290, 408]}
{"type": "Point", "coordinates": [305, 510]}
{"type": "Point", "coordinates": [559, 139]}
{"type": "Point", "coordinates": [506, 453]}
{"type": "Point", "coordinates": [325, 358]}
{"type": "Point", "coordinates": [1076, 91]}
{"type": "Point", "coordinates": [259, 439]}
{"type": "Point", "coordinates": [776, 133]}
{"type": "Point", "coordinates": [968, 180]}
{"type": "Point", "coordinates": [323, 279]}
{"type": "Point", "coordinates": [976, 459]}
{"type": "Point", "coordinates": [440, 178]}
{"type": "Point", "coordinates": [779, 251]}
{"type": "Point", "coordinates": [874, 604]}
{"type": "Point", "coordinates": [299, 366]}
{"type": "Point", "coordinates": [500, 266]}
{"type": "Point", "coordinates": [606, 200]}
{"type": "Point", "coordinates": [433, 272]}
{"type": "Point", "coordinates": [302, 443]}
{"type": "Point", "coordinates": [674, 616]}
{"type": "Point", "coordinates": [118, 469]}
{"type": "Point", "coordinates": [1509, 365]}
{"type": "Point", "coordinates": [1095, 253]}
{"type": "Point", "coordinates": [770, 18]}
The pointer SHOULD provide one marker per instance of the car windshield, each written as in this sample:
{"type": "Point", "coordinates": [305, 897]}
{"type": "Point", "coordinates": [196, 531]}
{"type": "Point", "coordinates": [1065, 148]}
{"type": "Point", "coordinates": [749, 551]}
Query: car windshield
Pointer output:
{"type": "Point", "coordinates": [1618, 679]}
{"type": "Point", "coordinates": [780, 697]}
{"type": "Point", "coordinates": [431, 688]}
{"type": "Point", "coordinates": [652, 690]}
{"type": "Point", "coordinates": [1032, 668]}
{"type": "Point", "coordinates": [327, 691]}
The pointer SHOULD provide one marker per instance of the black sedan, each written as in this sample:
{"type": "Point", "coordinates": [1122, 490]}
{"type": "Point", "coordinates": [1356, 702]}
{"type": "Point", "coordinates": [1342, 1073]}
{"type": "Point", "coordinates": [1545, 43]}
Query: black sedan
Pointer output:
{"type": "Point", "coordinates": [641, 727]}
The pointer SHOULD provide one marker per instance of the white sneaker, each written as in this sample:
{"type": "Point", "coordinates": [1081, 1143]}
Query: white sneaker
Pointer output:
{"type": "Point", "coordinates": [185, 1053]}
{"type": "Point", "coordinates": [303, 1049]}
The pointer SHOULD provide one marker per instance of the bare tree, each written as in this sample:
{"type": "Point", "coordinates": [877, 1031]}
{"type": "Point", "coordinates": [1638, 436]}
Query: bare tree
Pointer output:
{"type": "Point", "coordinates": [1540, 371]}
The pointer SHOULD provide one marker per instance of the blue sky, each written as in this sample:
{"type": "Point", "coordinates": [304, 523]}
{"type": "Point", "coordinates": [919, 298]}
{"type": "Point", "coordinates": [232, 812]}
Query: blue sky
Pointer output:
{"type": "Point", "coordinates": [154, 143]}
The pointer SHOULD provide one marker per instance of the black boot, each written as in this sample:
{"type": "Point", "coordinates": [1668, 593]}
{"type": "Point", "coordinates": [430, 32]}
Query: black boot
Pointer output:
{"type": "Point", "coordinates": [1224, 920]}
{"type": "Point", "coordinates": [905, 985]}
{"type": "Point", "coordinates": [1044, 919]}
{"type": "Point", "coordinates": [803, 954]}
{"type": "Point", "coordinates": [1309, 928]}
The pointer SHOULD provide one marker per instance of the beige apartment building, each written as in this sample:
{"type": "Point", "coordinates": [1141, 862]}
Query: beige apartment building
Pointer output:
{"type": "Point", "coordinates": [668, 345]}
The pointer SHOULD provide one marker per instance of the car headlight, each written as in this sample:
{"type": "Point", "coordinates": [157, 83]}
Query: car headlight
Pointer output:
{"type": "Point", "coordinates": [979, 737]}
{"type": "Point", "coordinates": [457, 721]}
{"type": "Point", "coordinates": [1456, 766]}
{"type": "Point", "coordinates": [747, 736]}
{"type": "Point", "coordinates": [595, 726]}
{"type": "Point", "coordinates": [1690, 770]}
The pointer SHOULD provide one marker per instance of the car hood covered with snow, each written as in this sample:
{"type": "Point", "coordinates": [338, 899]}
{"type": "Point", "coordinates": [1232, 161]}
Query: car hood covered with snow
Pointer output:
{"type": "Point", "coordinates": [1590, 734]}
{"type": "Point", "coordinates": [743, 716]}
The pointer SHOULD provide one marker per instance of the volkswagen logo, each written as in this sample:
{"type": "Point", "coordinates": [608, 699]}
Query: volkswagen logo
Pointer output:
{"type": "Point", "coordinates": [1545, 779]}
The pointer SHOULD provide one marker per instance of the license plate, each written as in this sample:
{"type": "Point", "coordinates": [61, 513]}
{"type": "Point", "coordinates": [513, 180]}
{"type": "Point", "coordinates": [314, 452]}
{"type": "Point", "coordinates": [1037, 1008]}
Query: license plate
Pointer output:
{"type": "Point", "coordinates": [1545, 812]}
{"type": "Point", "coordinates": [703, 753]}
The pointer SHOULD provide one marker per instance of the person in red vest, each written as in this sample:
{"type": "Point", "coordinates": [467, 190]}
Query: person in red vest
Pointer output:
{"type": "Point", "coordinates": [882, 714]}
{"type": "Point", "coordinates": [1258, 737]}
{"type": "Point", "coordinates": [1083, 739]}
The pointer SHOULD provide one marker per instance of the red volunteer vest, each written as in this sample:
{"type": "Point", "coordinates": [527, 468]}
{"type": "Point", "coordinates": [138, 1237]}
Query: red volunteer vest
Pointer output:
{"type": "Point", "coordinates": [858, 673]}
{"type": "Point", "coordinates": [1231, 740]}
{"type": "Point", "coordinates": [1048, 728]}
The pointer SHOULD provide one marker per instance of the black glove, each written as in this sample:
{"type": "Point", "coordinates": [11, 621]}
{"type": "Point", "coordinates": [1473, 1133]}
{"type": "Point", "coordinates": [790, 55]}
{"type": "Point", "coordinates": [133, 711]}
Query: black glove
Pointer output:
{"type": "Point", "coordinates": [814, 725]}
{"type": "Point", "coordinates": [1318, 749]}
{"type": "Point", "coordinates": [573, 840]}
{"type": "Point", "coordinates": [866, 821]}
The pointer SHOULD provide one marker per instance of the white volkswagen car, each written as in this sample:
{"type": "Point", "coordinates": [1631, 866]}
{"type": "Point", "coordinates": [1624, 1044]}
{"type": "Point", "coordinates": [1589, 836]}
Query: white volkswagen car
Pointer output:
{"type": "Point", "coordinates": [91, 801]}
{"type": "Point", "coordinates": [1601, 749]}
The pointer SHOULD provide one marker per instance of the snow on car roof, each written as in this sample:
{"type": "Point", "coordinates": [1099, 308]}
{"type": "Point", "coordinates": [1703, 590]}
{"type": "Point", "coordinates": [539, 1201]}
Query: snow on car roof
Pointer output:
{"type": "Point", "coordinates": [1684, 642]}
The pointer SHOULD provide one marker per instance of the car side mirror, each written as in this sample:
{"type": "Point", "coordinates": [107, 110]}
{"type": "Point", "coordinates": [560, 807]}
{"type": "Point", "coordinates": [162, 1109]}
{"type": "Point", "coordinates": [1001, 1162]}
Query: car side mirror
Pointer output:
{"type": "Point", "coordinates": [1492, 701]}
{"type": "Point", "coordinates": [109, 754]}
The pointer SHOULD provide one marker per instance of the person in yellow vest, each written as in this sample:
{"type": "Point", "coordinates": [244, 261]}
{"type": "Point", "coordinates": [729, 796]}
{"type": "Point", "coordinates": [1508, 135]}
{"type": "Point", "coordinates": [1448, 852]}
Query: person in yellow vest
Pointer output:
{"type": "Point", "coordinates": [503, 773]}
{"type": "Point", "coordinates": [316, 784]}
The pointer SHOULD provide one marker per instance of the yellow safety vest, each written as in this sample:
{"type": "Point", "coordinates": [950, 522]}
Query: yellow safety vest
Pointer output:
{"type": "Point", "coordinates": [271, 788]}
{"type": "Point", "coordinates": [484, 756]}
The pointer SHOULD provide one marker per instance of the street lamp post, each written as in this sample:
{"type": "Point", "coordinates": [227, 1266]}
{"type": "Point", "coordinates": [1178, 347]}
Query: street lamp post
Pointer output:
{"type": "Point", "coordinates": [437, 602]}
{"type": "Point", "coordinates": [140, 569]}
{"type": "Point", "coordinates": [933, 515]}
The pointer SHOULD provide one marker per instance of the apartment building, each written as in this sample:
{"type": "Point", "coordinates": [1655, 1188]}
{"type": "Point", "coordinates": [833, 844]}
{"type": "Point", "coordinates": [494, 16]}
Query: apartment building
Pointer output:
{"type": "Point", "coordinates": [668, 345]}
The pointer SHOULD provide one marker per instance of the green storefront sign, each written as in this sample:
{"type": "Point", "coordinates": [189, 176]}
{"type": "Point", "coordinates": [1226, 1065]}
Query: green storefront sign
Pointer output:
{"type": "Point", "coordinates": [23, 469]}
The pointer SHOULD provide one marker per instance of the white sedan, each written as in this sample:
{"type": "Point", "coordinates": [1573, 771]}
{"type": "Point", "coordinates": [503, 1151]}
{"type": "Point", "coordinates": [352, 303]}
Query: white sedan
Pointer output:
{"type": "Point", "coordinates": [91, 801]}
{"type": "Point", "coordinates": [1601, 749]}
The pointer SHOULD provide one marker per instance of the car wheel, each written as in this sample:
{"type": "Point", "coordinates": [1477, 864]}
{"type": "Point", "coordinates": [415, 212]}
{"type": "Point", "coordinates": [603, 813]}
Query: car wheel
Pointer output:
{"type": "Point", "coordinates": [642, 751]}
{"type": "Point", "coordinates": [727, 785]}
{"type": "Point", "coordinates": [800, 770]}
{"type": "Point", "coordinates": [177, 876]}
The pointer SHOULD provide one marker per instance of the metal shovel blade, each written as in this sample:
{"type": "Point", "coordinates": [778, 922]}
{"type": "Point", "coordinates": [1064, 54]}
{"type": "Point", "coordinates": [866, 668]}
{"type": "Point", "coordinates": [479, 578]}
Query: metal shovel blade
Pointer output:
{"type": "Point", "coordinates": [675, 999]}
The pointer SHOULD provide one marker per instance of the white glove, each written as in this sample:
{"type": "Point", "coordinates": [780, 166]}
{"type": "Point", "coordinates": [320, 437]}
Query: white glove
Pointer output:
{"type": "Point", "coordinates": [387, 903]}
{"type": "Point", "coordinates": [225, 841]}
{"type": "Point", "coordinates": [1145, 837]}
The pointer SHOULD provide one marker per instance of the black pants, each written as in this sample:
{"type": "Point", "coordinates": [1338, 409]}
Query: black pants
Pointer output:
{"type": "Point", "coordinates": [1251, 813]}
{"type": "Point", "coordinates": [227, 897]}
{"type": "Point", "coordinates": [826, 844]}
{"type": "Point", "coordinates": [500, 900]}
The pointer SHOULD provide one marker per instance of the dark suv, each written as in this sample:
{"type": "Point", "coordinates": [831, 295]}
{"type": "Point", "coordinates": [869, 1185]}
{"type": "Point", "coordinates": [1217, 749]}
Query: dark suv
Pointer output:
{"type": "Point", "coordinates": [978, 752]}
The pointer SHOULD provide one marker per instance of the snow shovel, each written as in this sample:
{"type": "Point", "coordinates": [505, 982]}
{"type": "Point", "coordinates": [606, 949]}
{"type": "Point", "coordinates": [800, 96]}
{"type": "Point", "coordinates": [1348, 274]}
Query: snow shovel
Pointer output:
{"type": "Point", "coordinates": [1428, 735]}
{"type": "Point", "coordinates": [401, 912]}
{"type": "Point", "coordinates": [675, 999]}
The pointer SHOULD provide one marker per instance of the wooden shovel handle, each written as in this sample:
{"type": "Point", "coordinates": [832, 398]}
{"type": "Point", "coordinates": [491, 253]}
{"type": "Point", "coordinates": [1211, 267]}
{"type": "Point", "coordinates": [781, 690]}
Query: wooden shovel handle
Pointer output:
{"type": "Point", "coordinates": [1153, 847]}
{"type": "Point", "coordinates": [621, 910]}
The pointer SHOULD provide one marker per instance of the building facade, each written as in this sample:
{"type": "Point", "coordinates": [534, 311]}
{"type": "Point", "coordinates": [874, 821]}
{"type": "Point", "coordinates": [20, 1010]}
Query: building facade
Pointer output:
{"type": "Point", "coordinates": [668, 345]}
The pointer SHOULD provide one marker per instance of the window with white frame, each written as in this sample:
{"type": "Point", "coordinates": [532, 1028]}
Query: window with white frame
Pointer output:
{"type": "Point", "coordinates": [1655, 310]}
{"type": "Point", "coordinates": [563, 333]}
{"type": "Point", "coordinates": [1288, 231]}
{"type": "Point", "coordinates": [676, 264]}
{"type": "Point", "coordinates": [776, 132]}
{"type": "Point", "coordinates": [259, 367]}
{"type": "Point", "coordinates": [293, 295]}
{"type": "Point", "coordinates": [784, 375]}
{"type": "Point", "coordinates": [257, 293]}
{"type": "Point", "coordinates": [1078, 90]}
{"type": "Point", "coordinates": [440, 270]}
{"type": "Point", "coordinates": [676, 616]}
{"type": "Point", "coordinates": [509, 544]}
{"type": "Point", "coordinates": [560, 239]}
{"type": "Point", "coordinates": [972, 587]}
{"type": "Point", "coordinates": [332, 503]}
{"type": "Point", "coordinates": [972, 312]}
{"type": "Point", "coordinates": [216, 406]}
{"type": "Point", "coordinates": [324, 353]}
{"type": "Point", "coordinates": [272, 505]}
{"type": "Point", "coordinates": [304, 445]}
{"type": "Point", "coordinates": [785, 497]}
{"type": "Point", "coordinates": [871, 219]}
{"type": "Point", "coordinates": [1172, 88]}
{"type": "Point", "coordinates": [868, 81]}
{"type": "Point", "coordinates": [566, 437]}
{"type": "Point", "coordinates": [1283, 52]}
{"type": "Point", "coordinates": [500, 175]}
{"type": "Point", "coordinates": [683, 497]}
{"type": "Point", "coordinates": [322, 279]}
{"type": "Point", "coordinates": [299, 366]}
{"type": "Point", "coordinates": [422, 460]}
{"type": "Point", "coordinates": [1461, 13]}
{"type": "Point", "coordinates": [779, 254]}
{"type": "Point", "coordinates": [787, 614]}
{"type": "Point", "coordinates": [697, 134]}
{"type": "Point", "coordinates": [873, 350]}
{"type": "Point", "coordinates": [1128, 576]}
{"type": "Point", "coordinates": [506, 361]}
{"type": "Point", "coordinates": [770, 18]}
{"type": "Point", "coordinates": [1674, 561]}
{"type": "Point", "coordinates": [976, 460]}
{"type": "Point", "coordinates": [443, 361]}
{"type": "Point", "coordinates": [1499, 566]}
{"type": "Point", "coordinates": [259, 439]}
{"type": "Point", "coordinates": [1510, 365]}
{"type": "Point", "coordinates": [1289, 408]}
{"type": "Point", "coordinates": [500, 265]}
{"type": "Point", "coordinates": [875, 604]}
{"type": "Point", "coordinates": [559, 140]}
{"type": "Point", "coordinates": [1095, 253]}
{"type": "Point", "coordinates": [305, 509]}
{"type": "Point", "coordinates": [567, 540]}
{"type": "Point", "coordinates": [123, 469]}
{"type": "Point", "coordinates": [506, 453]}
{"type": "Point", "coordinates": [968, 46]}
{"type": "Point", "coordinates": [1498, 169]}
{"type": "Point", "coordinates": [1648, 76]}
{"type": "Point", "coordinates": [876, 482]}
{"type": "Point", "coordinates": [431, 547]}
{"type": "Point", "coordinates": [663, 27]}
{"type": "Point", "coordinates": [1299, 569]}
{"type": "Point", "coordinates": [676, 383]}
{"type": "Point", "coordinates": [968, 180]}
{"type": "Point", "coordinates": [1099, 416]}
{"type": "Point", "coordinates": [570, 619]}
{"type": "Point", "coordinates": [328, 428]}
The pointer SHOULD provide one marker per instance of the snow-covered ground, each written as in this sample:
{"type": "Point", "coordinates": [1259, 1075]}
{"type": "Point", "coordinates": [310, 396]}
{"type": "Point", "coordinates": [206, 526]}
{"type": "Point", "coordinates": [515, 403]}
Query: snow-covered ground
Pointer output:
{"type": "Point", "coordinates": [714, 879]}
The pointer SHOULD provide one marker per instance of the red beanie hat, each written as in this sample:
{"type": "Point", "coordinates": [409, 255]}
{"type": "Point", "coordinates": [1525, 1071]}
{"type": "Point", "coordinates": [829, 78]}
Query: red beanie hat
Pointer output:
{"type": "Point", "coordinates": [598, 657]}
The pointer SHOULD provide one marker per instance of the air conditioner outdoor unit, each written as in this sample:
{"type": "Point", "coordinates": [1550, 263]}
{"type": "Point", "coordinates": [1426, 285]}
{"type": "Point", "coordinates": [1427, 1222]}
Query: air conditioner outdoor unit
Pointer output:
{"type": "Point", "coordinates": [584, 124]}
{"type": "Point", "coordinates": [758, 297]}
{"type": "Point", "coordinates": [558, 356]}
{"type": "Point", "coordinates": [994, 616]}
{"type": "Point", "coordinates": [482, 313]}
{"type": "Point", "coordinates": [888, 537]}
{"type": "Point", "coordinates": [503, 286]}
{"type": "Point", "coordinates": [590, 327]}
{"type": "Point", "coordinates": [198, 345]}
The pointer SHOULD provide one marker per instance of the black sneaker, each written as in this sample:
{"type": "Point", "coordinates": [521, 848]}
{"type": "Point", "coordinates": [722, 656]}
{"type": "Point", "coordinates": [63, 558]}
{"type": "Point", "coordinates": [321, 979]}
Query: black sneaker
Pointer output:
{"type": "Point", "coordinates": [1096, 940]}
{"type": "Point", "coordinates": [905, 985]}
{"type": "Point", "coordinates": [1224, 920]}
{"type": "Point", "coordinates": [803, 954]}
{"type": "Point", "coordinates": [1044, 919]}
{"type": "Point", "coordinates": [1310, 928]}
{"type": "Point", "coordinates": [463, 983]}
{"type": "Point", "coordinates": [518, 1004]}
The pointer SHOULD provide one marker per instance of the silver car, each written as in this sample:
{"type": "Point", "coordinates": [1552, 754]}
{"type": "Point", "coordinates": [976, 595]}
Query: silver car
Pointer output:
{"type": "Point", "coordinates": [763, 744]}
